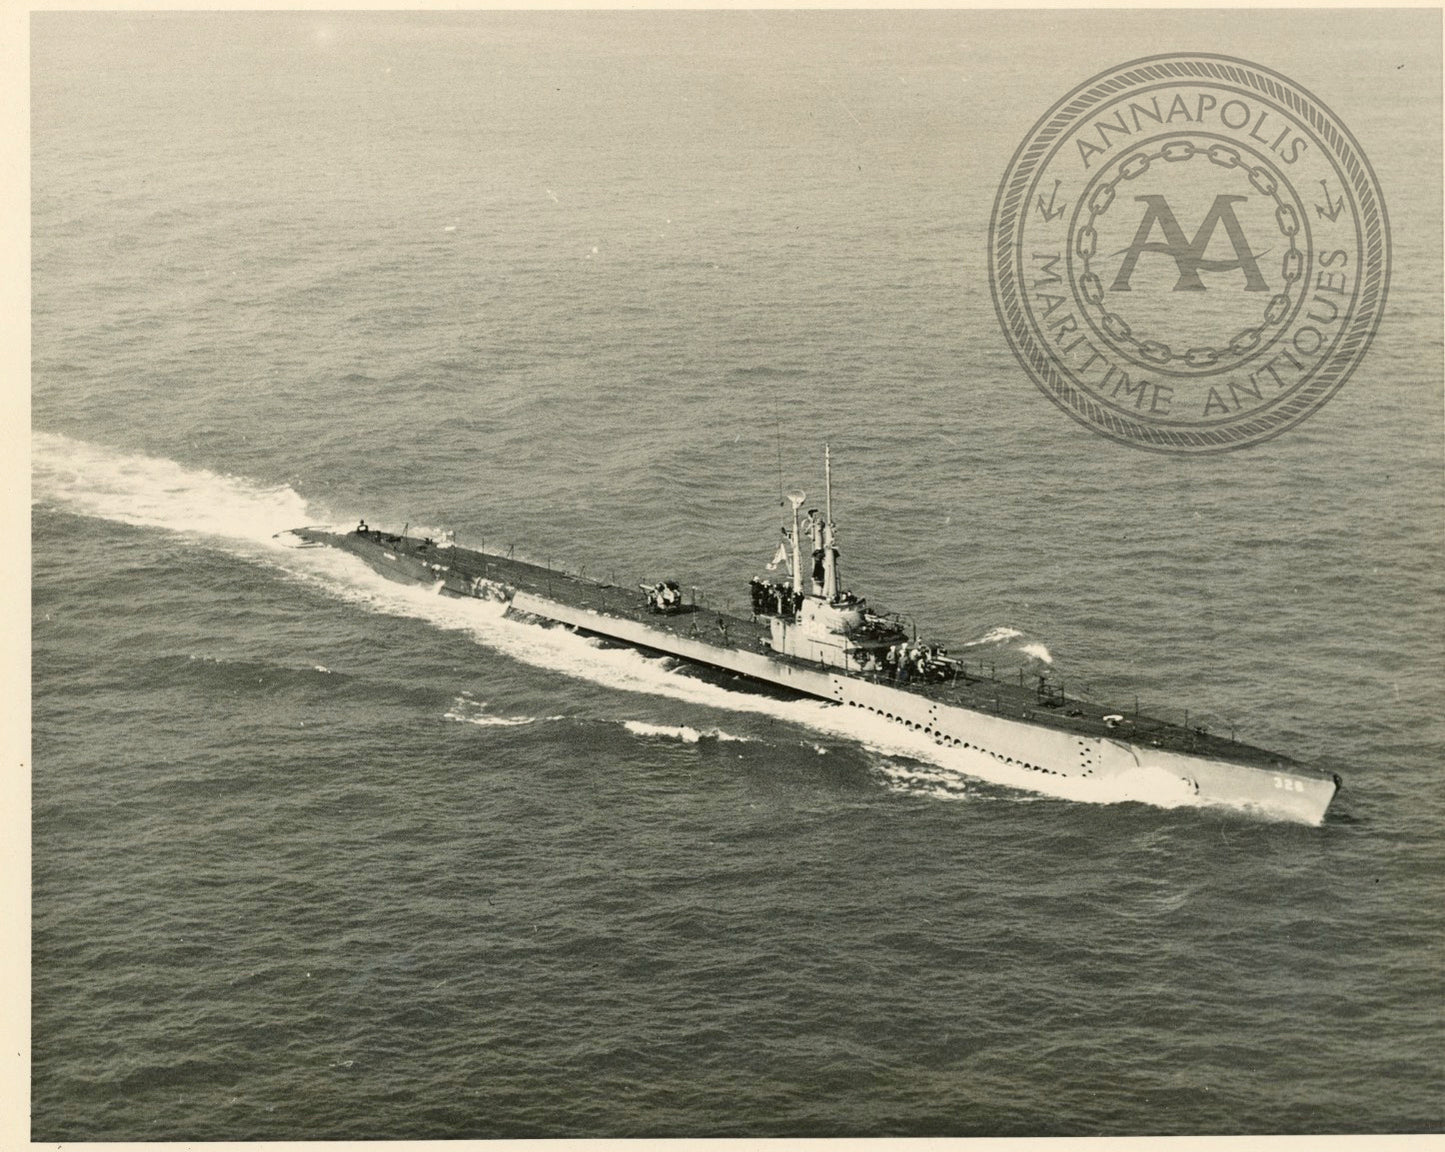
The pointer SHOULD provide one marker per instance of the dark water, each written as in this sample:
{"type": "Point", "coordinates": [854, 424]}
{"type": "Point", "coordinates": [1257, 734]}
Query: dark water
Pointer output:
{"type": "Point", "coordinates": [318, 856]}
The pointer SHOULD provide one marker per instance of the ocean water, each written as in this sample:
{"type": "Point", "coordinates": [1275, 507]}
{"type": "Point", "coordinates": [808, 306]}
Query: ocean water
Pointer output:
{"type": "Point", "coordinates": [318, 856]}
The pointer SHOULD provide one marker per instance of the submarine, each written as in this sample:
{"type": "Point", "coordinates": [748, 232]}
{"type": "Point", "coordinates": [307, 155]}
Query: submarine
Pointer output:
{"type": "Point", "coordinates": [807, 635]}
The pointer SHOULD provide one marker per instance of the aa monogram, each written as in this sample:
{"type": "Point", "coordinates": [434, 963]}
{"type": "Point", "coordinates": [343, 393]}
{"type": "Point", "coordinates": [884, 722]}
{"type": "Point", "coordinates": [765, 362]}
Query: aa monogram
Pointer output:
{"type": "Point", "coordinates": [1189, 254]}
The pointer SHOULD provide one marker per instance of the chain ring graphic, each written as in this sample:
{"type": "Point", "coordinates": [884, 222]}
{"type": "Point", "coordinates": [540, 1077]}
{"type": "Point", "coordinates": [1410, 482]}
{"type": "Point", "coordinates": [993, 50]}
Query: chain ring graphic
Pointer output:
{"type": "Point", "coordinates": [1249, 341]}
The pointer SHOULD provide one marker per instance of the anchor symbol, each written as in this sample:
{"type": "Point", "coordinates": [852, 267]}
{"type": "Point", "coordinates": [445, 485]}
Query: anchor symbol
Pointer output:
{"type": "Point", "coordinates": [1332, 213]}
{"type": "Point", "coordinates": [1050, 212]}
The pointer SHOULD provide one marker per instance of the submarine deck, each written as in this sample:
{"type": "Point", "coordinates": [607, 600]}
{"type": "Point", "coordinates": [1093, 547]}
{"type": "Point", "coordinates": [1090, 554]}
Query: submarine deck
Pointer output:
{"type": "Point", "coordinates": [699, 622]}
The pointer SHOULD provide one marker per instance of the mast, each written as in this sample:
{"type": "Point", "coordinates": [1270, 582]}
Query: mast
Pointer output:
{"type": "Point", "coordinates": [828, 481]}
{"type": "Point", "coordinates": [830, 553]}
{"type": "Point", "coordinates": [796, 500]}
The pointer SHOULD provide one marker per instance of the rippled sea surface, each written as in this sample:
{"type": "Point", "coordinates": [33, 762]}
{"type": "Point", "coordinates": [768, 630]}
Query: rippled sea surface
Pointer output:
{"type": "Point", "coordinates": [319, 856]}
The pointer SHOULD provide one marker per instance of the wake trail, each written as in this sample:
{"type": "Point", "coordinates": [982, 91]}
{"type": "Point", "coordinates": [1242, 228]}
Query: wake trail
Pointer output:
{"type": "Point", "coordinates": [151, 492]}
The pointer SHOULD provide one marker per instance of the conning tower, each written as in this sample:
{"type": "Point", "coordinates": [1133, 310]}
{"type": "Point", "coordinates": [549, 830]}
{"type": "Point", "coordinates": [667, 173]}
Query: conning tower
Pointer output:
{"type": "Point", "coordinates": [824, 624]}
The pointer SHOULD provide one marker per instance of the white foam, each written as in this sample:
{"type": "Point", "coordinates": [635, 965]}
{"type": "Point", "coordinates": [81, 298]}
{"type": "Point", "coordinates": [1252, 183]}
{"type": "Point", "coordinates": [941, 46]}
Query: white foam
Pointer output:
{"type": "Point", "coordinates": [150, 492]}
{"type": "Point", "coordinates": [1037, 651]}
{"type": "Point", "coordinates": [472, 712]}
{"type": "Point", "coordinates": [994, 636]}
{"type": "Point", "coordinates": [682, 732]}
{"type": "Point", "coordinates": [685, 734]}
{"type": "Point", "coordinates": [922, 779]}
{"type": "Point", "coordinates": [492, 721]}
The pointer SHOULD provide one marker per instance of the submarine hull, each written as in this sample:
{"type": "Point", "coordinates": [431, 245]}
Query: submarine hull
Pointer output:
{"type": "Point", "coordinates": [1087, 751]}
